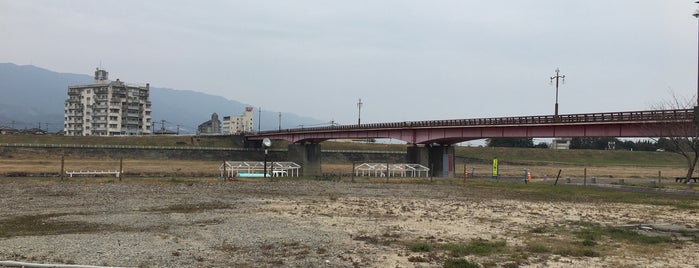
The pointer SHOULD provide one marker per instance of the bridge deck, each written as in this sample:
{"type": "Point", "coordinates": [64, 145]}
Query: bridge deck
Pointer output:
{"type": "Point", "coordinates": [621, 124]}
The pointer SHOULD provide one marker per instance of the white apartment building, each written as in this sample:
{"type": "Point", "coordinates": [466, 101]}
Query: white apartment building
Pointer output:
{"type": "Point", "coordinates": [239, 124]}
{"type": "Point", "coordinates": [107, 108]}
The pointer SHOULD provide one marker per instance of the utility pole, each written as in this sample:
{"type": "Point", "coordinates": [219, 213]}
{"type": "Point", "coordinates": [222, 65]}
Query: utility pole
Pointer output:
{"type": "Point", "coordinates": [259, 118]}
{"type": "Point", "coordinates": [557, 77]}
{"type": "Point", "coordinates": [359, 106]}
{"type": "Point", "coordinates": [280, 121]}
{"type": "Point", "coordinates": [696, 15]}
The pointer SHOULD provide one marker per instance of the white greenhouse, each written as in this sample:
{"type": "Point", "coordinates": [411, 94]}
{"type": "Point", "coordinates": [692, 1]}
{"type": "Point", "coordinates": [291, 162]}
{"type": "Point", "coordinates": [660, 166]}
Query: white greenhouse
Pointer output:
{"type": "Point", "coordinates": [256, 169]}
{"type": "Point", "coordinates": [391, 170]}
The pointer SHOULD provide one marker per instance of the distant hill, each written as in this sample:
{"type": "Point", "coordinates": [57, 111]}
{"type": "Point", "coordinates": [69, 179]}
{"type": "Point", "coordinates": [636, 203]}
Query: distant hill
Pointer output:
{"type": "Point", "coordinates": [31, 96]}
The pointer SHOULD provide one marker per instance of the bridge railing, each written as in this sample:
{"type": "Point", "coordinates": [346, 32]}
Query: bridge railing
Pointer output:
{"type": "Point", "coordinates": [611, 117]}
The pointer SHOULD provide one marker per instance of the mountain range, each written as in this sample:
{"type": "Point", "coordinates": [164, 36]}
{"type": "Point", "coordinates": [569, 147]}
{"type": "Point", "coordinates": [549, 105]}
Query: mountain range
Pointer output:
{"type": "Point", "coordinates": [32, 97]}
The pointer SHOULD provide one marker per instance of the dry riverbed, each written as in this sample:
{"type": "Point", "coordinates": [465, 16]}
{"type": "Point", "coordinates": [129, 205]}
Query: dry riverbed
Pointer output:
{"type": "Point", "coordinates": [211, 223]}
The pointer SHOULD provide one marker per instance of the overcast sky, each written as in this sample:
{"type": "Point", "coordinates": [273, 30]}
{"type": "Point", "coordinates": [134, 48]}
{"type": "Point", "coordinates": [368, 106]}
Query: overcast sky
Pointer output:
{"type": "Point", "coordinates": [407, 60]}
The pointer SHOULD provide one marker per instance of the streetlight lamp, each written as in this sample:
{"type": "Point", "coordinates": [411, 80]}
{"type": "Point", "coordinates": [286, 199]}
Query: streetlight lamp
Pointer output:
{"type": "Point", "coordinates": [557, 77]}
{"type": "Point", "coordinates": [359, 106]}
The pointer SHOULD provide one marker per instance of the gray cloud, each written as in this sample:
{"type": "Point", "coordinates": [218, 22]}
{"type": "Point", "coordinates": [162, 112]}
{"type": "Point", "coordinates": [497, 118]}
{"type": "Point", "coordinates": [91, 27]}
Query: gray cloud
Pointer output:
{"type": "Point", "coordinates": [407, 60]}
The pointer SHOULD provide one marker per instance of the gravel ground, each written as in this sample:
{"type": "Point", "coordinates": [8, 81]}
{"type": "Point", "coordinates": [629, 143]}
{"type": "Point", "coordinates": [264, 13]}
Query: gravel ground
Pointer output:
{"type": "Point", "coordinates": [208, 223]}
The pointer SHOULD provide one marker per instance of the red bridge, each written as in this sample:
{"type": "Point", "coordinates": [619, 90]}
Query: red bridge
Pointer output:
{"type": "Point", "coordinates": [657, 123]}
{"type": "Point", "coordinates": [436, 134]}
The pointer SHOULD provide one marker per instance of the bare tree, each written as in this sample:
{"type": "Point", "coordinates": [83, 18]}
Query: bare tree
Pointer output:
{"type": "Point", "coordinates": [678, 136]}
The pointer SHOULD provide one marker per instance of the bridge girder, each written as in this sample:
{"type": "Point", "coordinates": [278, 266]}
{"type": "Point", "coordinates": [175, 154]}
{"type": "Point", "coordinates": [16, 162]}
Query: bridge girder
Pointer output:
{"type": "Point", "coordinates": [657, 123]}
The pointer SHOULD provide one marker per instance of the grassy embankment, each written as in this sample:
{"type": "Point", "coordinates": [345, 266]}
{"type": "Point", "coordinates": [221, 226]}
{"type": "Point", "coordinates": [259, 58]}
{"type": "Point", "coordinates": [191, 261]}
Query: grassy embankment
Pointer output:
{"type": "Point", "coordinates": [513, 155]}
{"type": "Point", "coordinates": [187, 141]}
{"type": "Point", "coordinates": [541, 162]}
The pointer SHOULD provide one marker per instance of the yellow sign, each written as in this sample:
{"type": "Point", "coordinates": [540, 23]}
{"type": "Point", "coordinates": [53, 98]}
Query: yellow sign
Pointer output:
{"type": "Point", "coordinates": [495, 167]}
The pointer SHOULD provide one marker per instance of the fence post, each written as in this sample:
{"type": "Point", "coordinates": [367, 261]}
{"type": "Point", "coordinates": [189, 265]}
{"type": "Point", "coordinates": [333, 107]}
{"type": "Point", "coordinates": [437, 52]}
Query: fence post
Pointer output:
{"type": "Point", "coordinates": [464, 172]}
{"type": "Point", "coordinates": [558, 176]}
{"type": "Point", "coordinates": [585, 177]}
{"type": "Point", "coordinates": [63, 159]}
{"type": "Point", "coordinates": [353, 171]}
{"type": "Point", "coordinates": [121, 168]}
{"type": "Point", "coordinates": [387, 171]}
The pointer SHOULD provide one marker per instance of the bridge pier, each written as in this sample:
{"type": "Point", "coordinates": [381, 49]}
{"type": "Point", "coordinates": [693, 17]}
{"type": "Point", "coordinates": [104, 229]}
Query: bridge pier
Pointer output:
{"type": "Point", "coordinates": [438, 158]}
{"type": "Point", "coordinates": [308, 156]}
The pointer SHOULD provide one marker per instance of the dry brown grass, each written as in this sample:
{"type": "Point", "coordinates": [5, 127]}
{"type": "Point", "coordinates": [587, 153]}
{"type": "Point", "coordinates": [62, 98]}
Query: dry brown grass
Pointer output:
{"type": "Point", "coordinates": [134, 167]}
{"type": "Point", "coordinates": [40, 165]}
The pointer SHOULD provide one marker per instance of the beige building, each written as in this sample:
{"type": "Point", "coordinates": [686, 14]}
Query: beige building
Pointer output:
{"type": "Point", "coordinates": [239, 124]}
{"type": "Point", "coordinates": [107, 108]}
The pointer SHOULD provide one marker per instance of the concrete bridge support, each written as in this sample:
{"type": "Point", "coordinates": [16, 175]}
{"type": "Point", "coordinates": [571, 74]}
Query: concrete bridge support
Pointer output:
{"type": "Point", "coordinates": [308, 156]}
{"type": "Point", "coordinates": [438, 158]}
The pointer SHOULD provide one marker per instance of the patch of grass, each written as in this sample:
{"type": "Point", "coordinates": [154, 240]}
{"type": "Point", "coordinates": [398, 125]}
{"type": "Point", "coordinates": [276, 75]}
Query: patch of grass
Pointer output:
{"type": "Point", "coordinates": [551, 193]}
{"type": "Point", "coordinates": [420, 247]}
{"type": "Point", "coordinates": [460, 263]}
{"type": "Point", "coordinates": [417, 259]}
{"type": "Point", "coordinates": [477, 247]}
{"type": "Point", "coordinates": [685, 206]}
{"type": "Point", "coordinates": [592, 234]}
{"type": "Point", "coordinates": [192, 208]}
{"type": "Point", "coordinates": [636, 237]}
{"type": "Point", "coordinates": [576, 252]}
{"type": "Point", "coordinates": [589, 243]}
{"type": "Point", "coordinates": [538, 248]}
{"type": "Point", "coordinates": [333, 196]}
{"type": "Point", "coordinates": [38, 225]}
{"type": "Point", "coordinates": [576, 157]}
{"type": "Point", "coordinates": [539, 230]}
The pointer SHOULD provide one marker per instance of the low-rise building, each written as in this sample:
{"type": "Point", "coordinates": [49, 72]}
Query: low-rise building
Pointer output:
{"type": "Point", "coordinates": [239, 124]}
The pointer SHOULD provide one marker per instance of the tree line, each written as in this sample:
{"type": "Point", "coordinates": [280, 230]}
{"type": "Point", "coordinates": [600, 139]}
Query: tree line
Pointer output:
{"type": "Point", "coordinates": [604, 143]}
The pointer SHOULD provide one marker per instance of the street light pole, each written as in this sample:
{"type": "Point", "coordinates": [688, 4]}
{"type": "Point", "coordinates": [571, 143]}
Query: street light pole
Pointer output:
{"type": "Point", "coordinates": [359, 106]}
{"type": "Point", "coordinates": [696, 15]}
{"type": "Point", "coordinates": [557, 77]}
{"type": "Point", "coordinates": [259, 118]}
